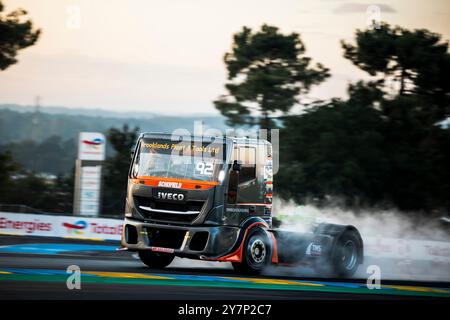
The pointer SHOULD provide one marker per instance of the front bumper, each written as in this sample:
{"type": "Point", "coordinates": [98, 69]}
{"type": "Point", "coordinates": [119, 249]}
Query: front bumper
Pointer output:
{"type": "Point", "coordinates": [200, 242]}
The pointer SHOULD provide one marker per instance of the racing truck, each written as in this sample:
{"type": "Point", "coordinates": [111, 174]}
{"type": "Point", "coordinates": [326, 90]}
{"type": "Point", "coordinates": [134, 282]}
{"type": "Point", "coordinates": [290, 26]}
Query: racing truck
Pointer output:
{"type": "Point", "coordinates": [210, 198]}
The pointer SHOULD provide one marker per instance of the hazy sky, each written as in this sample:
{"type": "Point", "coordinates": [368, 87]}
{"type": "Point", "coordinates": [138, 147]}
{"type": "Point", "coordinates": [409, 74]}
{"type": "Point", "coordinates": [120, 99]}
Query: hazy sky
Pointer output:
{"type": "Point", "coordinates": [166, 56]}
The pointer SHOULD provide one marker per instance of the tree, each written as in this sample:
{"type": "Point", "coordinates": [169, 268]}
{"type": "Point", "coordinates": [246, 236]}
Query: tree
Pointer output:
{"type": "Point", "coordinates": [418, 153]}
{"type": "Point", "coordinates": [418, 61]}
{"type": "Point", "coordinates": [42, 194]}
{"type": "Point", "coordinates": [374, 147]}
{"type": "Point", "coordinates": [335, 149]}
{"type": "Point", "coordinates": [417, 149]}
{"type": "Point", "coordinates": [116, 169]}
{"type": "Point", "coordinates": [62, 193]}
{"type": "Point", "coordinates": [39, 193]}
{"type": "Point", "coordinates": [15, 34]}
{"type": "Point", "coordinates": [7, 168]}
{"type": "Point", "coordinates": [55, 155]}
{"type": "Point", "coordinates": [267, 71]}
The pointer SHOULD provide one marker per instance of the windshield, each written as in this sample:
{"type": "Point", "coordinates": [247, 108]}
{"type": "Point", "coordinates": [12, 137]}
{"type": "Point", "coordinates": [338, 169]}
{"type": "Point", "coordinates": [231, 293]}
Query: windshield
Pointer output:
{"type": "Point", "coordinates": [167, 159]}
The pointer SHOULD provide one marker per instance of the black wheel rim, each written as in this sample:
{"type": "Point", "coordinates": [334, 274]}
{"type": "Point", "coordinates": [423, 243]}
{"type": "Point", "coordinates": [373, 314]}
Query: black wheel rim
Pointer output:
{"type": "Point", "coordinates": [349, 255]}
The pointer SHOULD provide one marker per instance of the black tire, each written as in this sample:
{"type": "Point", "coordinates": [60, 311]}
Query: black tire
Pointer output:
{"type": "Point", "coordinates": [156, 259]}
{"type": "Point", "coordinates": [256, 253]}
{"type": "Point", "coordinates": [344, 260]}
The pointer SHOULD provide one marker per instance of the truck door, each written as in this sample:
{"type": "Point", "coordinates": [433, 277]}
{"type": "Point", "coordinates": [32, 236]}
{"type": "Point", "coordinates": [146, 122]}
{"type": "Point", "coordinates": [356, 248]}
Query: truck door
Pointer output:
{"type": "Point", "coordinates": [248, 189]}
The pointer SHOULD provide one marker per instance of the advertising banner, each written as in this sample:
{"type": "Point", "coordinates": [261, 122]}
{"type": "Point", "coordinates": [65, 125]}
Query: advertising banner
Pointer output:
{"type": "Point", "coordinates": [60, 226]}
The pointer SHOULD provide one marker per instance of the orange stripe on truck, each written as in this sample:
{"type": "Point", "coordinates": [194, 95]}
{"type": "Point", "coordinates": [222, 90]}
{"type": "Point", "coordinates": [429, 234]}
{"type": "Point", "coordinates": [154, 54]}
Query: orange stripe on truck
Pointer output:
{"type": "Point", "coordinates": [236, 256]}
{"type": "Point", "coordinates": [182, 183]}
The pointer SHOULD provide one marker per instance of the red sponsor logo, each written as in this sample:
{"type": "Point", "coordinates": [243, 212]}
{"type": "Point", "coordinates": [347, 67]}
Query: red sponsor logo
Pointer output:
{"type": "Point", "coordinates": [105, 229]}
{"type": "Point", "coordinates": [29, 226]}
{"type": "Point", "coordinates": [93, 142]}
{"type": "Point", "coordinates": [160, 249]}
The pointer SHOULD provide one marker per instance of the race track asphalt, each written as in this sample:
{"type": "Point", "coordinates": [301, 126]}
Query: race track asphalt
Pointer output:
{"type": "Point", "coordinates": [35, 268]}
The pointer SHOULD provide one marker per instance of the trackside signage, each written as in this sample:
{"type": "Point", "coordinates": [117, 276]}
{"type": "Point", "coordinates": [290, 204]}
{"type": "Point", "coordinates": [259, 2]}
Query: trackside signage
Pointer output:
{"type": "Point", "coordinates": [60, 226]}
{"type": "Point", "coordinates": [91, 146]}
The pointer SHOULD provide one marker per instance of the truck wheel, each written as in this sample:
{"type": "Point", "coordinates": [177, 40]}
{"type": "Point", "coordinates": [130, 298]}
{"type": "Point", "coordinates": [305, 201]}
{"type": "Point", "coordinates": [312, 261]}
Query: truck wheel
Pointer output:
{"type": "Point", "coordinates": [257, 252]}
{"type": "Point", "coordinates": [155, 259]}
{"type": "Point", "coordinates": [344, 260]}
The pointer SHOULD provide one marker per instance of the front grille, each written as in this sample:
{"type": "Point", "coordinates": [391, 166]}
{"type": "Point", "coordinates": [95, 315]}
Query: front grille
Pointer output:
{"type": "Point", "coordinates": [169, 206]}
{"type": "Point", "coordinates": [165, 238]}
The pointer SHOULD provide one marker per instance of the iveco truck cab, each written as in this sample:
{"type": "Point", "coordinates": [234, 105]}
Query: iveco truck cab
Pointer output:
{"type": "Point", "coordinates": [210, 198]}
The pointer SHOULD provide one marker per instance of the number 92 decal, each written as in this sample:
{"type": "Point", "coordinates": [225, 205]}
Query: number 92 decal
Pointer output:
{"type": "Point", "coordinates": [204, 168]}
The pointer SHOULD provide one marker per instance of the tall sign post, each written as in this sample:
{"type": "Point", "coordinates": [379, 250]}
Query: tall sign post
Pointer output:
{"type": "Point", "coordinates": [88, 174]}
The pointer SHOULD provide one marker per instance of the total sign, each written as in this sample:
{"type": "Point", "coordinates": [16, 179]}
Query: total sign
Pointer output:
{"type": "Point", "coordinates": [91, 228]}
{"type": "Point", "coordinates": [60, 226]}
{"type": "Point", "coordinates": [91, 146]}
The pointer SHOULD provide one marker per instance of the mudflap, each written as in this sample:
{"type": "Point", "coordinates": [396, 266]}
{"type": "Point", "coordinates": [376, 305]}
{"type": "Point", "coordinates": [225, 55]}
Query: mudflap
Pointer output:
{"type": "Point", "coordinates": [301, 248]}
{"type": "Point", "coordinates": [310, 248]}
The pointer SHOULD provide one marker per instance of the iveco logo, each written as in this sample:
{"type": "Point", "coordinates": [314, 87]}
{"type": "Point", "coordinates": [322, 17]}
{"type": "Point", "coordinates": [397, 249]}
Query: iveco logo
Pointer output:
{"type": "Point", "coordinates": [170, 196]}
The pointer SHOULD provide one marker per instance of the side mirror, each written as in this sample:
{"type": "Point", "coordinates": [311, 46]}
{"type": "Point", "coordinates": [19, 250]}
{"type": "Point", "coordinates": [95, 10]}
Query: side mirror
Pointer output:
{"type": "Point", "coordinates": [233, 182]}
{"type": "Point", "coordinates": [236, 166]}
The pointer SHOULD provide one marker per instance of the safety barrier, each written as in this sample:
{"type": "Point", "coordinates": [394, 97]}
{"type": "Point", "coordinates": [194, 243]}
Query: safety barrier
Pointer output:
{"type": "Point", "coordinates": [407, 249]}
{"type": "Point", "coordinates": [111, 229]}
{"type": "Point", "coordinates": [60, 226]}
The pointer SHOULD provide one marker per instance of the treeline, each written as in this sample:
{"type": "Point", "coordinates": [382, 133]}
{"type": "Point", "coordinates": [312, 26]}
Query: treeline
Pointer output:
{"type": "Point", "coordinates": [383, 146]}
{"type": "Point", "coordinates": [38, 126]}
{"type": "Point", "coordinates": [366, 152]}
{"type": "Point", "coordinates": [21, 186]}
{"type": "Point", "coordinates": [54, 136]}
{"type": "Point", "coordinates": [52, 156]}
{"type": "Point", "coordinates": [27, 188]}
